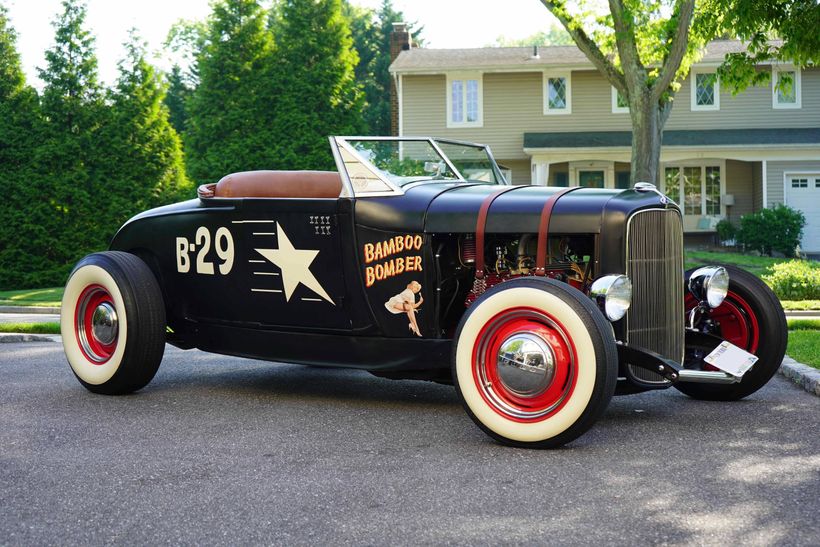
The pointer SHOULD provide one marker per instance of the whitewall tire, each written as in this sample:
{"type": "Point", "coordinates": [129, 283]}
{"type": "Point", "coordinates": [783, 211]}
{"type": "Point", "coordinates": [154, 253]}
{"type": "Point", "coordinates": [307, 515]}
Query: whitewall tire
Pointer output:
{"type": "Point", "coordinates": [113, 323]}
{"type": "Point", "coordinates": [534, 362]}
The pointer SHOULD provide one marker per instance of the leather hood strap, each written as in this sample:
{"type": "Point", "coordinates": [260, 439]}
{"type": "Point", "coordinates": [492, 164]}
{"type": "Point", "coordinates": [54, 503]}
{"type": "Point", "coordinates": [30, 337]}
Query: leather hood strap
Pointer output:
{"type": "Point", "coordinates": [481, 224]}
{"type": "Point", "coordinates": [544, 228]}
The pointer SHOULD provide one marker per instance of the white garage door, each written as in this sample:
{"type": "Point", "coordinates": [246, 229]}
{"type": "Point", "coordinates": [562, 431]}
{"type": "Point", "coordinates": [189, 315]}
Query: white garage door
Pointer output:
{"type": "Point", "coordinates": [803, 193]}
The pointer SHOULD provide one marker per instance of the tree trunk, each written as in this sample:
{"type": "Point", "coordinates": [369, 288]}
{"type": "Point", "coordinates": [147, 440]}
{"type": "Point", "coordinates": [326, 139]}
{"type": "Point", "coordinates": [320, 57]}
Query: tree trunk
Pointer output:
{"type": "Point", "coordinates": [647, 134]}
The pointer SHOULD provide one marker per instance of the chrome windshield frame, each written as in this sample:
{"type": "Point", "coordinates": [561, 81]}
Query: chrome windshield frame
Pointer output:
{"type": "Point", "coordinates": [342, 142]}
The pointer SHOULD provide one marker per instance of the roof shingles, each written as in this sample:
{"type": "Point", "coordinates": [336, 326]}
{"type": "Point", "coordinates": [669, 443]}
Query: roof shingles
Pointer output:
{"type": "Point", "coordinates": [506, 58]}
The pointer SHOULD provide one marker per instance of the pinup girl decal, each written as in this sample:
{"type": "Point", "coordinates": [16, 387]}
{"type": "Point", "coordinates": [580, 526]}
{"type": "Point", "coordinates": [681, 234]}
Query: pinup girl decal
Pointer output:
{"type": "Point", "coordinates": [405, 302]}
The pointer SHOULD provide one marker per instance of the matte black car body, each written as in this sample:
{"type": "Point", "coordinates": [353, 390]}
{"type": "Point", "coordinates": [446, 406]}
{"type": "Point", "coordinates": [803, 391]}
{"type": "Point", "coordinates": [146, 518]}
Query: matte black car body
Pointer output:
{"type": "Point", "coordinates": [218, 314]}
{"type": "Point", "coordinates": [418, 260]}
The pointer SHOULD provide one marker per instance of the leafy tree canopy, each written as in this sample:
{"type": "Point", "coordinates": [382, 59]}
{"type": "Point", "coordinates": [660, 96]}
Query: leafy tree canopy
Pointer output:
{"type": "Point", "coordinates": [646, 48]}
{"type": "Point", "coordinates": [553, 36]}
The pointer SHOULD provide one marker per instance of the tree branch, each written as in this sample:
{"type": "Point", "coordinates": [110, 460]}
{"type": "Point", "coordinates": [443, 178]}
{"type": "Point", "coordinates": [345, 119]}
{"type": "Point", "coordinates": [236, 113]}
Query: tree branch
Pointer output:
{"type": "Point", "coordinates": [686, 9]}
{"type": "Point", "coordinates": [625, 39]}
{"type": "Point", "coordinates": [587, 45]}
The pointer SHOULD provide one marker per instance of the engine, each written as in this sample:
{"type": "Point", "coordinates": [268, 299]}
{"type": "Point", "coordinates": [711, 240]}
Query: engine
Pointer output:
{"type": "Point", "coordinates": [569, 260]}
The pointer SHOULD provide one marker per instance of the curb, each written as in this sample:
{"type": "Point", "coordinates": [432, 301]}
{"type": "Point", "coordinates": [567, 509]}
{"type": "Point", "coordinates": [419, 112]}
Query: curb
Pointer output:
{"type": "Point", "coordinates": [29, 309]}
{"type": "Point", "coordinates": [801, 313]}
{"type": "Point", "coordinates": [16, 338]}
{"type": "Point", "coordinates": [803, 375]}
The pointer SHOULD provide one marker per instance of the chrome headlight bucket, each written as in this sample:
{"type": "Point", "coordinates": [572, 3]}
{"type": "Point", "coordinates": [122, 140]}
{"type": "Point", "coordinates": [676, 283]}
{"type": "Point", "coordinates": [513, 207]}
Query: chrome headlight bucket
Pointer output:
{"type": "Point", "coordinates": [709, 285]}
{"type": "Point", "coordinates": [613, 294]}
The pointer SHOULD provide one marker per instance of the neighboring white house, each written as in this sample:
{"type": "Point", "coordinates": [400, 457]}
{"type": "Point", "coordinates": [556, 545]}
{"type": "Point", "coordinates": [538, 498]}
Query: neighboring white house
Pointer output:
{"type": "Point", "coordinates": [551, 118]}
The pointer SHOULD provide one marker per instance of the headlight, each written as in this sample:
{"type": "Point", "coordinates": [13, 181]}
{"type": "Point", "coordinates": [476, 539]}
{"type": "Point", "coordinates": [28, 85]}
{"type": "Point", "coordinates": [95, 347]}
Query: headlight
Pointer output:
{"type": "Point", "coordinates": [613, 294]}
{"type": "Point", "coordinates": [709, 284]}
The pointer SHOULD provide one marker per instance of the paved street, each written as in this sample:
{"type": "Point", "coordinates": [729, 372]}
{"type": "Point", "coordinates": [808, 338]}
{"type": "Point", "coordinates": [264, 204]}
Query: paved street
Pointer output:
{"type": "Point", "coordinates": [29, 317]}
{"type": "Point", "coordinates": [223, 450]}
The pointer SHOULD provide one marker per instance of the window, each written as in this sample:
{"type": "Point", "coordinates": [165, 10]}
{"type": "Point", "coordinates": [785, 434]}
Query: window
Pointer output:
{"type": "Point", "coordinates": [557, 93]}
{"type": "Point", "coordinates": [464, 100]}
{"type": "Point", "coordinates": [696, 188]}
{"type": "Point", "coordinates": [800, 183]}
{"type": "Point", "coordinates": [692, 195]}
{"type": "Point", "coordinates": [712, 194]}
{"type": "Point", "coordinates": [619, 103]}
{"type": "Point", "coordinates": [786, 88]}
{"type": "Point", "coordinates": [705, 90]}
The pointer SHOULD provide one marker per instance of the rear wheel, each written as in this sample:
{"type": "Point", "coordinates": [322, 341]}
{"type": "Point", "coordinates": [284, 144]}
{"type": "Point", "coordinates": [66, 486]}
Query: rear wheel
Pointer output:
{"type": "Point", "coordinates": [113, 323]}
{"type": "Point", "coordinates": [751, 318]}
{"type": "Point", "coordinates": [534, 363]}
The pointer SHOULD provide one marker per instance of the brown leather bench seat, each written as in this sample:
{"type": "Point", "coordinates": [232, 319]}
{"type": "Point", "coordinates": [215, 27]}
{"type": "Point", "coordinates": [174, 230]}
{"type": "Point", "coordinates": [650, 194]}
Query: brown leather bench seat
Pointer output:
{"type": "Point", "coordinates": [275, 184]}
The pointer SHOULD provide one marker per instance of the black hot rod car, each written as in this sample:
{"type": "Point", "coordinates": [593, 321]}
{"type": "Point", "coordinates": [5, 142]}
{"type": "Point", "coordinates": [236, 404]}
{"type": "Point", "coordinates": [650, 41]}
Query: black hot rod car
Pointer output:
{"type": "Point", "coordinates": [417, 260]}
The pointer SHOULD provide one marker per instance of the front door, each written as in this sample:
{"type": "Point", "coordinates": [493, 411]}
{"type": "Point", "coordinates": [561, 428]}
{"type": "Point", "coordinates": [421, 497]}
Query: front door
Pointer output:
{"type": "Point", "coordinates": [593, 178]}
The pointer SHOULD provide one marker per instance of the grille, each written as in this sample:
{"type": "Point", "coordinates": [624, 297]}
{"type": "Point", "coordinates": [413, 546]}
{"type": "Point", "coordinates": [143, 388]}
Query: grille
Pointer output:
{"type": "Point", "coordinates": [654, 263]}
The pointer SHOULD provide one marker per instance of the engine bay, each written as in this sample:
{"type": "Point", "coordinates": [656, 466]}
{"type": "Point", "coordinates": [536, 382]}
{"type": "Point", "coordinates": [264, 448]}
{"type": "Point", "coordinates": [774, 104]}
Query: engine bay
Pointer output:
{"type": "Point", "coordinates": [570, 260]}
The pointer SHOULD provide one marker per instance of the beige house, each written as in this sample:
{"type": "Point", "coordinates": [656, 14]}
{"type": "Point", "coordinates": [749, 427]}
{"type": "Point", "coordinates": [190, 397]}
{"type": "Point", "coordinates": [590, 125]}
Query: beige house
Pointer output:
{"type": "Point", "coordinates": [551, 118]}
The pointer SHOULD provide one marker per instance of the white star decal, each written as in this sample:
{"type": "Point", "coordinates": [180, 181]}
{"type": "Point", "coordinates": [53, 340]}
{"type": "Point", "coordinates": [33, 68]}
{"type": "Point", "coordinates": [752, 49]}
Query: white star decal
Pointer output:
{"type": "Point", "coordinates": [295, 266]}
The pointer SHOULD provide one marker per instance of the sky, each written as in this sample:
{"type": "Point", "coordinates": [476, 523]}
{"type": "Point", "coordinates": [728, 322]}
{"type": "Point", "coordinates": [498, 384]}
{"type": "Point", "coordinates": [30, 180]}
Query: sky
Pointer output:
{"type": "Point", "coordinates": [447, 24]}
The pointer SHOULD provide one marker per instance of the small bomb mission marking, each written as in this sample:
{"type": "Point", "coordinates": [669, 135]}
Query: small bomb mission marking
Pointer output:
{"type": "Point", "coordinates": [394, 266]}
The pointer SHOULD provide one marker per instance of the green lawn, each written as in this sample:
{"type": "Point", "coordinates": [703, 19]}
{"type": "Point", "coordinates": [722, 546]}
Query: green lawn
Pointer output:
{"type": "Point", "coordinates": [32, 297]}
{"type": "Point", "coordinates": [754, 264]}
{"type": "Point", "coordinates": [804, 341]}
{"type": "Point", "coordinates": [804, 347]}
{"type": "Point", "coordinates": [31, 328]}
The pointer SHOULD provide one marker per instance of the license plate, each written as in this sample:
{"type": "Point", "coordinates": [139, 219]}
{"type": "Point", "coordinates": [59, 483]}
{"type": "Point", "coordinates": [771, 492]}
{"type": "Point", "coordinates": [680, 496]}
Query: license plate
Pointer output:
{"type": "Point", "coordinates": [731, 359]}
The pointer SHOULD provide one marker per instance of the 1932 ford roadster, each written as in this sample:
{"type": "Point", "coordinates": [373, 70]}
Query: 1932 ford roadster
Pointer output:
{"type": "Point", "coordinates": [418, 260]}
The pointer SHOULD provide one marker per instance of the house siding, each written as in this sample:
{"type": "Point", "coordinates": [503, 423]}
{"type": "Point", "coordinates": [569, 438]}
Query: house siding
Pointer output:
{"type": "Point", "coordinates": [757, 186]}
{"type": "Point", "coordinates": [740, 183]}
{"type": "Point", "coordinates": [774, 176]}
{"type": "Point", "coordinates": [521, 173]}
{"type": "Point", "coordinates": [513, 106]}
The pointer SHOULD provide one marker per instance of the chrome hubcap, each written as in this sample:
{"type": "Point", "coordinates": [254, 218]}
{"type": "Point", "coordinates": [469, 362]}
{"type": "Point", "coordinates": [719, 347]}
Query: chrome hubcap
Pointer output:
{"type": "Point", "coordinates": [526, 364]}
{"type": "Point", "coordinates": [104, 324]}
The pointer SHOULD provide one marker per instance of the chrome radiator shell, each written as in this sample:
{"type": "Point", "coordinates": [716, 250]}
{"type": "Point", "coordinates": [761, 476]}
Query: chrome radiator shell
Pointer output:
{"type": "Point", "coordinates": [654, 264]}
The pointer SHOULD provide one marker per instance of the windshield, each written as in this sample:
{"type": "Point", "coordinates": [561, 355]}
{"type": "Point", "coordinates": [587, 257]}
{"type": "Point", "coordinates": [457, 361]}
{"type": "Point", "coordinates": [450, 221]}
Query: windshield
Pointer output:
{"type": "Point", "coordinates": [472, 162]}
{"type": "Point", "coordinates": [405, 161]}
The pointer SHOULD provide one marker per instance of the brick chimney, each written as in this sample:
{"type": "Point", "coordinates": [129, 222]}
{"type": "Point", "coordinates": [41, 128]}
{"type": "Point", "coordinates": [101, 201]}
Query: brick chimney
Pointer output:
{"type": "Point", "coordinates": [400, 40]}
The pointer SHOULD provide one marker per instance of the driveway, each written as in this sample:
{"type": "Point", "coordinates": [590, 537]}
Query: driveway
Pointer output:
{"type": "Point", "coordinates": [220, 450]}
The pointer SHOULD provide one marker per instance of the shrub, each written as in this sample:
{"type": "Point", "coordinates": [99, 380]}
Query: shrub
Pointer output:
{"type": "Point", "coordinates": [778, 229]}
{"type": "Point", "coordinates": [726, 231]}
{"type": "Point", "coordinates": [795, 279]}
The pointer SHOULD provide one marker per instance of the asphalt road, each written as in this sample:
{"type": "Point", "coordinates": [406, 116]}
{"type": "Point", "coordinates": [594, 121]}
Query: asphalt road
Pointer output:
{"type": "Point", "coordinates": [228, 451]}
{"type": "Point", "coordinates": [29, 318]}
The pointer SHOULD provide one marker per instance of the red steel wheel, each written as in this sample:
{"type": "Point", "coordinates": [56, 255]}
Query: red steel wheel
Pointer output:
{"type": "Point", "coordinates": [96, 324]}
{"type": "Point", "coordinates": [534, 362]}
{"type": "Point", "coordinates": [525, 364]}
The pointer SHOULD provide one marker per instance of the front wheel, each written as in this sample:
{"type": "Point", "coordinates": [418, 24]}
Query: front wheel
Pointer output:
{"type": "Point", "coordinates": [534, 363]}
{"type": "Point", "coordinates": [751, 318]}
{"type": "Point", "coordinates": [113, 323]}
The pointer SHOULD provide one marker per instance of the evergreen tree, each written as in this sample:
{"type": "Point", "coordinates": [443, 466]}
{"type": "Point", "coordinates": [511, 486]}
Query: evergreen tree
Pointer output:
{"type": "Point", "coordinates": [176, 99]}
{"type": "Point", "coordinates": [316, 90]}
{"type": "Point", "coordinates": [147, 166]}
{"type": "Point", "coordinates": [223, 133]}
{"type": "Point", "coordinates": [69, 157]}
{"type": "Point", "coordinates": [18, 139]}
{"type": "Point", "coordinates": [371, 32]}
